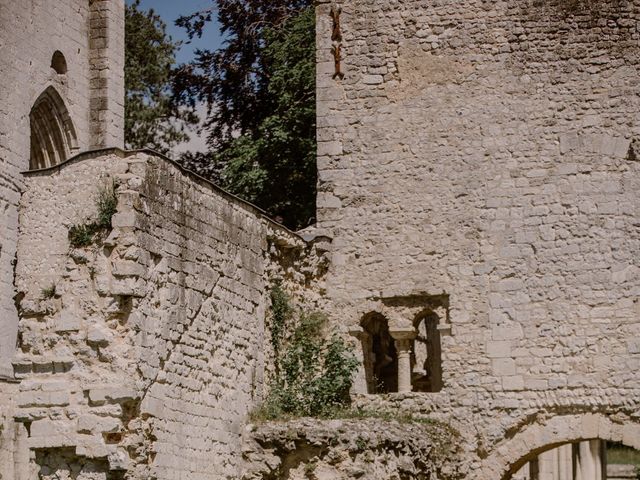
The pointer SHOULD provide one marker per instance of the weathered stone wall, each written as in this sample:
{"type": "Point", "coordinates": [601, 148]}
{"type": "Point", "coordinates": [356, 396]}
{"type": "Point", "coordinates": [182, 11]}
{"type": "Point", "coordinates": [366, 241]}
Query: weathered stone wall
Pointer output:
{"type": "Point", "coordinates": [10, 433]}
{"type": "Point", "coordinates": [203, 353]}
{"type": "Point", "coordinates": [383, 449]}
{"type": "Point", "coordinates": [482, 156]}
{"type": "Point", "coordinates": [90, 35]}
{"type": "Point", "coordinates": [150, 351]}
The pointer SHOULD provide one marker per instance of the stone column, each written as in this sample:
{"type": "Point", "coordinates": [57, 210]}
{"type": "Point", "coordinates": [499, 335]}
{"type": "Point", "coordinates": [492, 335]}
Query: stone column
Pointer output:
{"type": "Point", "coordinates": [548, 465]}
{"type": "Point", "coordinates": [403, 340]}
{"type": "Point", "coordinates": [589, 464]}
{"type": "Point", "coordinates": [565, 462]}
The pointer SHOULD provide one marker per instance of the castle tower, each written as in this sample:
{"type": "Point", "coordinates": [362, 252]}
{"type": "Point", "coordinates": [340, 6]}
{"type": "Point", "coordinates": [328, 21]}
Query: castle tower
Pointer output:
{"type": "Point", "coordinates": [478, 173]}
{"type": "Point", "coordinates": [62, 93]}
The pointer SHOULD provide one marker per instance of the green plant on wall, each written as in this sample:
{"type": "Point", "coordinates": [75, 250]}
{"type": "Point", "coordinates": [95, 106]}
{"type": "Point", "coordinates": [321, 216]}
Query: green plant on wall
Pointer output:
{"type": "Point", "coordinates": [314, 370]}
{"type": "Point", "coordinates": [281, 313]}
{"type": "Point", "coordinates": [107, 203]}
{"type": "Point", "coordinates": [83, 235]}
{"type": "Point", "coordinates": [49, 292]}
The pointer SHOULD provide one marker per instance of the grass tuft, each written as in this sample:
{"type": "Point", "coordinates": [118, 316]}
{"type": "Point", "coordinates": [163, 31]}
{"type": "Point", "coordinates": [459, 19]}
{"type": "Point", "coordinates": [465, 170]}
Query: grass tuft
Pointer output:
{"type": "Point", "coordinates": [106, 200]}
{"type": "Point", "coordinates": [49, 292]}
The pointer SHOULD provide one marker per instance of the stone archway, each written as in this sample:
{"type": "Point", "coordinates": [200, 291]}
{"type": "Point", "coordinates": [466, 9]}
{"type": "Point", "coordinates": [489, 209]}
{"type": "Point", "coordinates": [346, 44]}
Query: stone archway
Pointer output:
{"type": "Point", "coordinates": [510, 455]}
{"type": "Point", "coordinates": [53, 136]}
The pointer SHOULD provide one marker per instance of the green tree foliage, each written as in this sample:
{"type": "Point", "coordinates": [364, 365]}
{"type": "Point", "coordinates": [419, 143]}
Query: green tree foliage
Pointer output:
{"type": "Point", "coordinates": [260, 89]}
{"type": "Point", "coordinates": [154, 117]}
{"type": "Point", "coordinates": [313, 371]}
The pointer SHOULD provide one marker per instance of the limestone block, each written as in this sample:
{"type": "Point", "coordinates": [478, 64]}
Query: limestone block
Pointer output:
{"type": "Point", "coordinates": [97, 424]}
{"type": "Point", "coordinates": [67, 321]}
{"type": "Point", "coordinates": [631, 436]}
{"type": "Point", "coordinates": [98, 395]}
{"type": "Point", "coordinates": [92, 447]}
{"type": "Point", "coordinates": [499, 349]}
{"type": "Point", "coordinates": [127, 286]}
{"type": "Point", "coordinates": [326, 200]}
{"type": "Point", "coordinates": [128, 268]}
{"type": "Point", "coordinates": [44, 428]}
{"type": "Point", "coordinates": [511, 331]}
{"type": "Point", "coordinates": [124, 220]}
{"type": "Point", "coordinates": [591, 426]}
{"type": "Point", "coordinates": [373, 79]}
{"type": "Point", "coordinates": [99, 335]}
{"type": "Point", "coordinates": [119, 460]}
{"type": "Point", "coordinates": [331, 148]}
{"type": "Point", "coordinates": [504, 367]}
{"type": "Point", "coordinates": [37, 398]}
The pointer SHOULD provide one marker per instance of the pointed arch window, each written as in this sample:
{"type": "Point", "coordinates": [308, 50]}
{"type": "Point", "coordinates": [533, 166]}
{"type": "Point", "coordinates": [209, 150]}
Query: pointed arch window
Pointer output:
{"type": "Point", "coordinates": [53, 136]}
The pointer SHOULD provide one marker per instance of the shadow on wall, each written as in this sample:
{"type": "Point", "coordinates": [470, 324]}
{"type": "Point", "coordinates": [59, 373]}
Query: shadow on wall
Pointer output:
{"type": "Point", "coordinates": [596, 9]}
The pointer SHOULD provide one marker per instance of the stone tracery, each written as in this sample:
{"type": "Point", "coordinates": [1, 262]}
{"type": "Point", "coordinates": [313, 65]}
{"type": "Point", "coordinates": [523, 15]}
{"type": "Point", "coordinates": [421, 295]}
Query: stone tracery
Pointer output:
{"type": "Point", "coordinates": [53, 136]}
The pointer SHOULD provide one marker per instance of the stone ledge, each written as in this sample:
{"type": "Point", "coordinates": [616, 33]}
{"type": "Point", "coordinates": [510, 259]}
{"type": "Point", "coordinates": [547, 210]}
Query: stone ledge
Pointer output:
{"type": "Point", "coordinates": [352, 448]}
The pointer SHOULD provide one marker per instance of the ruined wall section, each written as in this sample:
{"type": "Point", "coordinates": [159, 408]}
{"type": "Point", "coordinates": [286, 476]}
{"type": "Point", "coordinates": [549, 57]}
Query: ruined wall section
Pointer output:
{"type": "Point", "coordinates": [203, 342]}
{"type": "Point", "coordinates": [76, 353]}
{"type": "Point", "coordinates": [486, 151]}
{"type": "Point", "coordinates": [142, 352]}
{"type": "Point", "coordinates": [12, 434]}
{"type": "Point", "coordinates": [377, 448]}
{"type": "Point", "coordinates": [30, 32]}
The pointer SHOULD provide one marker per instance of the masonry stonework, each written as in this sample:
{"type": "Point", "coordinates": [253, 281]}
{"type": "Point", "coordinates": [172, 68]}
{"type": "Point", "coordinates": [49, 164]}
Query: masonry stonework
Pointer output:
{"type": "Point", "coordinates": [477, 241]}
{"type": "Point", "coordinates": [144, 352]}
{"type": "Point", "coordinates": [484, 153]}
{"type": "Point", "coordinates": [90, 36]}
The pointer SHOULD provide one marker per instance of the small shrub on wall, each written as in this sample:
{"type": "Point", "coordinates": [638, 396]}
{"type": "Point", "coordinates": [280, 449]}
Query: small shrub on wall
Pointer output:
{"type": "Point", "coordinates": [313, 369]}
{"type": "Point", "coordinates": [106, 201]}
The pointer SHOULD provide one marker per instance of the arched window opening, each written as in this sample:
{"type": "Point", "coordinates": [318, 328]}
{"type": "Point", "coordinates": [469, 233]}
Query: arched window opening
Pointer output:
{"type": "Point", "coordinates": [59, 63]}
{"type": "Point", "coordinates": [426, 361]}
{"type": "Point", "coordinates": [380, 356]}
{"type": "Point", "coordinates": [53, 136]}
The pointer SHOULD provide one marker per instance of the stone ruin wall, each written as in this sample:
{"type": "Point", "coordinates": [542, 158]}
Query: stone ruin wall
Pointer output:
{"type": "Point", "coordinates": [365, 448]}
{"type": "Point", "coordinates": [483, 156]}
{"type": "Point", "coordinates": [152, 351]}
{"type": "Point", "coordinates": [90, 34]}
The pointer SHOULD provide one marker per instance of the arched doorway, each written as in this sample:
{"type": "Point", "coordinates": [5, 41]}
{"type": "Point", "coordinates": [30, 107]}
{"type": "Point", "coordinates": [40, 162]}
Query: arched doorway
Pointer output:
{"type": "Point", "coordinates": [570, 444]}
{"type": "Point", "coordinates": [53, 136]}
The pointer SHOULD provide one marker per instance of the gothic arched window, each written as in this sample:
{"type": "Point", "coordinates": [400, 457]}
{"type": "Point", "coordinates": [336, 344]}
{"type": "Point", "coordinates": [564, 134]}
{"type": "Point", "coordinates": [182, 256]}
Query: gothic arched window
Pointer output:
{"type": "Point", "coordinates": [53, 136]}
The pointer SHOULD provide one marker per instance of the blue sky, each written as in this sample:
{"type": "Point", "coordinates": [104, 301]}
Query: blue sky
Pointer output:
{"type": "Point", "coordinates": [211, 39]}
{"type": "Point", "coordinates": [170, 10]}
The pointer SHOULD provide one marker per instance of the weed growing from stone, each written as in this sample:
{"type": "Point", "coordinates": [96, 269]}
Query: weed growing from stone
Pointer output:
{"type": "Point", "coordinates": [310, 468]}
{"type": "Point", "coordinates": [106, 201]}
{"type": "Point", "coordinates": [82, 235]}
{"type": "Point", "coordinates": [49, 292]}
{"type": "Point", "coordinates": [385, 415]}
{"type": "Point", "coordinates": [281, 313]}
{"type": "Point", "coordinates": [314, 371]}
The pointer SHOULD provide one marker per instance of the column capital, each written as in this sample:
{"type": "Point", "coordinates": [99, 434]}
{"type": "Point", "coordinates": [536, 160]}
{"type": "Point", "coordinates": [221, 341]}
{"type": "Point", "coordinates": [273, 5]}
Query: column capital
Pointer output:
{"type": "Point", "coordinates": [403, 333]}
